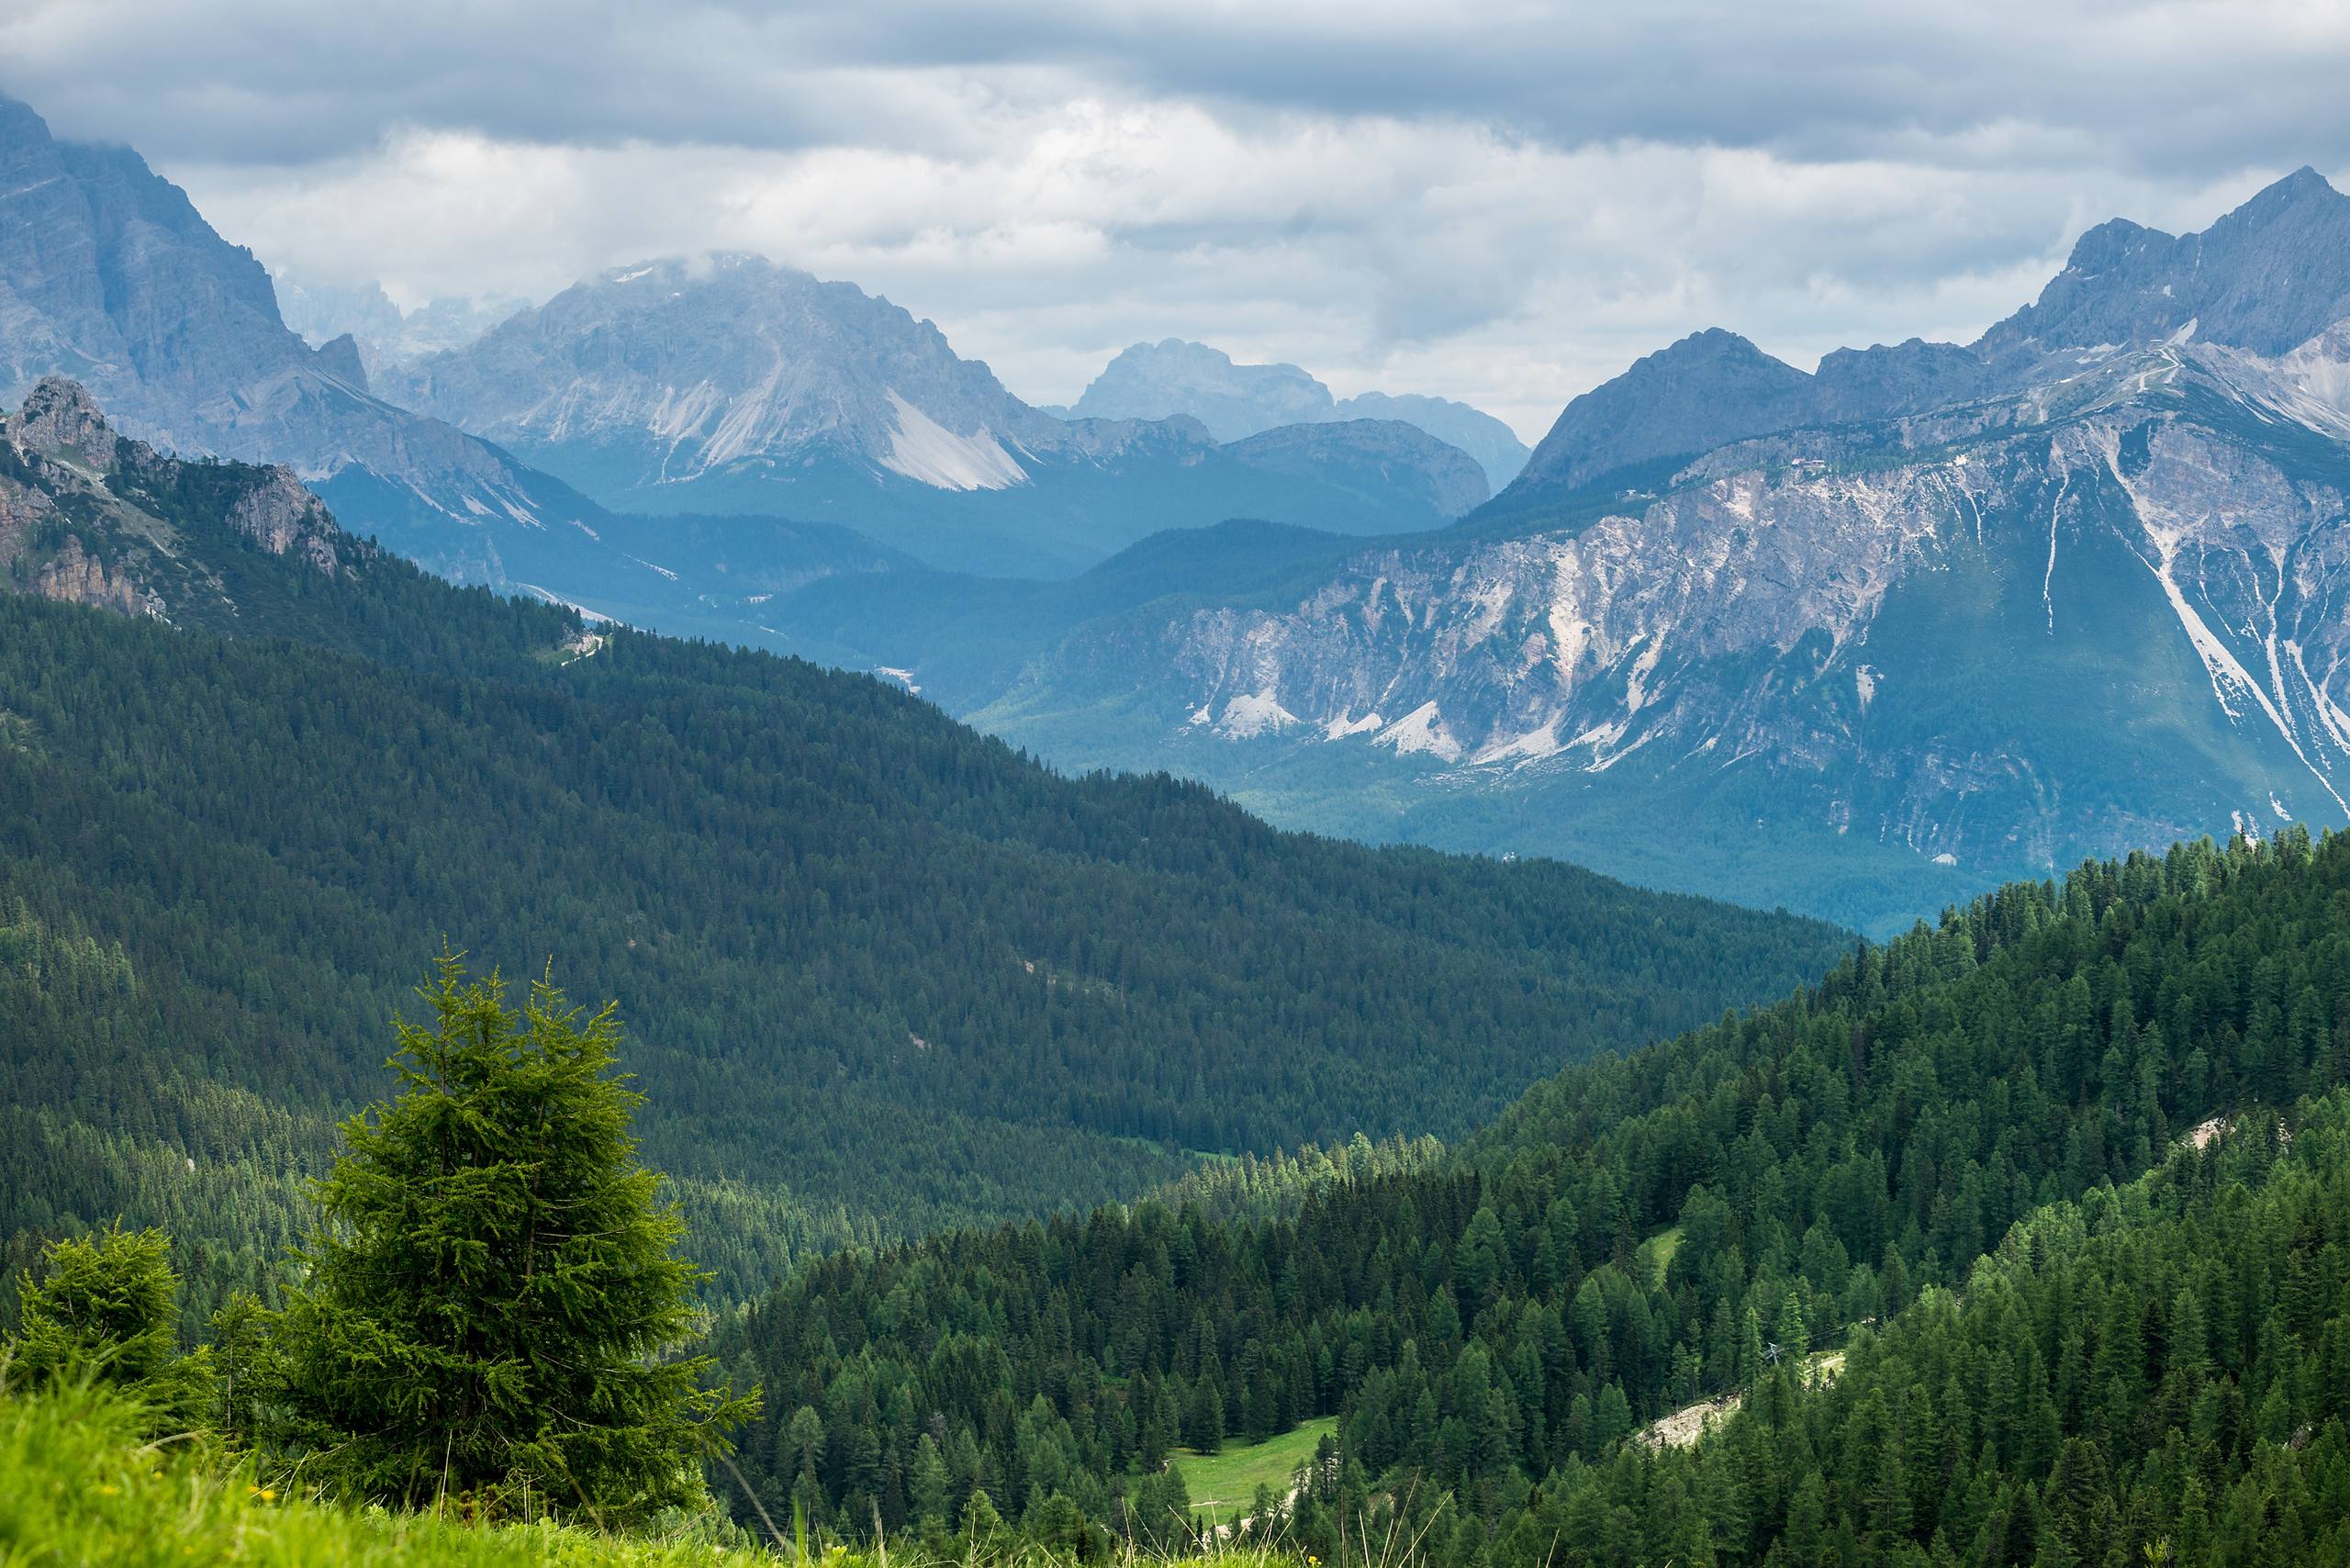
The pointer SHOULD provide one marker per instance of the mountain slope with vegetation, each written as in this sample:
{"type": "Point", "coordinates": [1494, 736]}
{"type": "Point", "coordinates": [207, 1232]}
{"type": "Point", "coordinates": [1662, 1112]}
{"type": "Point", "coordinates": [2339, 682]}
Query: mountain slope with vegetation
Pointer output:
{"type": "Point", "coordinates": [2154, 1373]}
{"type": "Point", "coordinates": [888, 975]}
{"type": "Point", "coordinates": [1486, 1322]}
{"type": "Point", "coordinates": [1866, 642]}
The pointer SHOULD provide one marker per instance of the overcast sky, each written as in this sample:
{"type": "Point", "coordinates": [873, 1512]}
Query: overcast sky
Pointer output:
{"type": "Point", "coordinates": [1500, 202]}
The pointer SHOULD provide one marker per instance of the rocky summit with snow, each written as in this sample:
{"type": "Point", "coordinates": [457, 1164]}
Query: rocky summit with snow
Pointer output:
{"type": "Point", "coordinates": [729, 384]}
{"type": "Point", "coordinates": [1934, 616]}
{"type": "Point", "coordinates": [514, 446]}
{"type": "Point", "coordinates": [670, 371]}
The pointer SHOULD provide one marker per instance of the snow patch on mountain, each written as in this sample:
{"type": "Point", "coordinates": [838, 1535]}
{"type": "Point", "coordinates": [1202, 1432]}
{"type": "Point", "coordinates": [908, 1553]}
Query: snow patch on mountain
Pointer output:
{"type": "Point", "coordinates": [923, 450]}
{"type": "Point", "coordinates": [2310, 385]}
{"type": "Point", "coordinates": [1532, 747]}
{"type": "Point", "coordinates": [1259, 713]}
{"type": "Point", "coordinates": [1421, 730]}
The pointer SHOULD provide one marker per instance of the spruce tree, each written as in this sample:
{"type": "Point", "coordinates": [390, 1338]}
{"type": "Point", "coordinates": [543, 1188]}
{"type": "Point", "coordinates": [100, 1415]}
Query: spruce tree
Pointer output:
{"type": "Point", "coordinates": [488, 1307]}
{"type": "Point", "coordinates": [103, 1308]}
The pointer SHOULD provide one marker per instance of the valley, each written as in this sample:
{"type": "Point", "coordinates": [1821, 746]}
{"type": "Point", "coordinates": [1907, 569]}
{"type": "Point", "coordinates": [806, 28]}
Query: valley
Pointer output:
{"type": "Point", "coordinates": [645, 919]}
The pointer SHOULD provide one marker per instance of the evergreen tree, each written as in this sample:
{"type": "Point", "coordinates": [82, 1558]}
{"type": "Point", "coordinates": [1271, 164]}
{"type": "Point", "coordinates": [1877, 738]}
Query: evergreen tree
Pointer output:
{"type": "Point", "coordinates": [104, 1308]}
{"type": "Point", "coordinates": [490, 1299]}
{"type": "Point", "coordinates": [1204, 1416]}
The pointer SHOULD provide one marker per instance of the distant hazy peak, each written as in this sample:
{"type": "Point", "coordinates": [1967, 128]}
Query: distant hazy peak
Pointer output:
{"type": "Point", "coordinates": [1153, 381]}
{"type": "Point", "coordinates": [1393, 451]}
{"type": "Point", "coordinates": [1493, 444]}
{"type": "Point", "coordinates": [1176, 378]}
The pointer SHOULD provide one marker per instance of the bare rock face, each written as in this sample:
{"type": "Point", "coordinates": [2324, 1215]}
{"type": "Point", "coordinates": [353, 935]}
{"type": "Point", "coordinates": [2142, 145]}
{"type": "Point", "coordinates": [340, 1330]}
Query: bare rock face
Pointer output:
{"type": "Point", "coordinates": [279, 515]}
{"type": "Point", "coordinates": [690, 369]}
{"type": "Point", "coordinates": [60, 418]}
{"type": "Point", "coordinates": [108, 275]}
{"type": "Point", "coordinates": [75, 577]}
{"type": "Point", "coordinates": [2101, 614]}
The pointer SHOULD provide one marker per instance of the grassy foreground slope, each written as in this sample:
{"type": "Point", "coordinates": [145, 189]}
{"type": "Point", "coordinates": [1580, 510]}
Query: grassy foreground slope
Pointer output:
{"type": "Point", "coordinates": [78, 1485]}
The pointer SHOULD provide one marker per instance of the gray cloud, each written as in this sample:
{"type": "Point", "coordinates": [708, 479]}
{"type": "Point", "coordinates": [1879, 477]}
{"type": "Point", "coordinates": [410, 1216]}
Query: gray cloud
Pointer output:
{"type": "Point", "coordinates": [2156, 85]}
{"type": "Point", "coordinates": [1502, 203]}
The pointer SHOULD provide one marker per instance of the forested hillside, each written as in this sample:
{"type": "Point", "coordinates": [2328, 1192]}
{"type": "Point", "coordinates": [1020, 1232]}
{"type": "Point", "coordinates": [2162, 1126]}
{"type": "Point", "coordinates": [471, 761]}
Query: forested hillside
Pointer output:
{"type": "Point", "coordinates": [879, 974]}
{"type": "Point", "coordinates": [1636, 1234]}
{"type": "Point", "coordinates": [2157, 1373]}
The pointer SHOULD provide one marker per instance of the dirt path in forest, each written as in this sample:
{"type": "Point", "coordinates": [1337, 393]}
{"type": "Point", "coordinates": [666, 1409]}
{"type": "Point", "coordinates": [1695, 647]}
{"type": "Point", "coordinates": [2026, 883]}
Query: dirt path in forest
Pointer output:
{"type": "Point", "coordinates": [1689, 1423]}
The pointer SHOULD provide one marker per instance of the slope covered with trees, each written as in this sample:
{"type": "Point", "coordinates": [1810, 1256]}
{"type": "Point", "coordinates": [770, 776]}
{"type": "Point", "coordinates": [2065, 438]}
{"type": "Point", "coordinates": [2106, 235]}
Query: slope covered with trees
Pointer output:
{"type": "Point", "coordinates": [2158, 1372]}
{"type": "Point", "coordinates": [1635, 1234]}
{"type": "Point", "coordinates": [887, 974]}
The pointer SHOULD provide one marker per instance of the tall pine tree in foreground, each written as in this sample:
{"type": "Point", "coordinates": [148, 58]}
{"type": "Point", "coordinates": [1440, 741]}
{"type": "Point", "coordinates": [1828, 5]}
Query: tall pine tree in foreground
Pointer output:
{"type": "Point", "coordinates": [488, 1307]}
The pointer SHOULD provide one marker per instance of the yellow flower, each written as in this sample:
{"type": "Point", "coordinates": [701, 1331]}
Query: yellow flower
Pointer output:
{"type": "Point", "coordinates": [108, 1489]}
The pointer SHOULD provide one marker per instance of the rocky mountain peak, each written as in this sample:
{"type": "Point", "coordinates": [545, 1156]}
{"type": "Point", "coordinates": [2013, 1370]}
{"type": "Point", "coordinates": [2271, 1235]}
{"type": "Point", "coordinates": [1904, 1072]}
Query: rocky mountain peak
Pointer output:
{"type": "Point", "coordinates": [2267, 276]}
{"type": "Point", "coordinates": [1711, 387]}
{"type": "Point", "coordinates": [340, 358]}
{"type": "Point", "coordinates": [2302, 192]}
{"type": "Point", "coordinates": [676, 368]}
{"type": "Point", "coordinates": [142, 542]}
{"type": "Point", "coordinates": [59, 416]}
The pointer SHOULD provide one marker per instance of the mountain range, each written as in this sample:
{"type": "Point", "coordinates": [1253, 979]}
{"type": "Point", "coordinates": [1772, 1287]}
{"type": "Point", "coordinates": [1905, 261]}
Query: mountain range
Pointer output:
{"type": "Point", "coordinates": [109, 275]}
{"type": "Point", "coordinates": [1016, 1112]}
{"type": "Point", "coordinates": [731, 385]}
{"type": "Point", "coordinates": [1863, 641]}
{"type": "Point", "coordinates": [734, 388]}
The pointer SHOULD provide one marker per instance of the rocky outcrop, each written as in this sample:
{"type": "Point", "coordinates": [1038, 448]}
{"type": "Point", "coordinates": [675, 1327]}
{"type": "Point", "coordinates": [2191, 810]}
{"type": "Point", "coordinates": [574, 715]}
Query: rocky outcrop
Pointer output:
{"type": "Point", "coordinates": [75, 577]}
{"type": "Point", "coordinates": [279, 515]}
{"type": "Point", "coordinates": [60, 419]}
{"type": "Point", "coordinates": [94, 519]}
